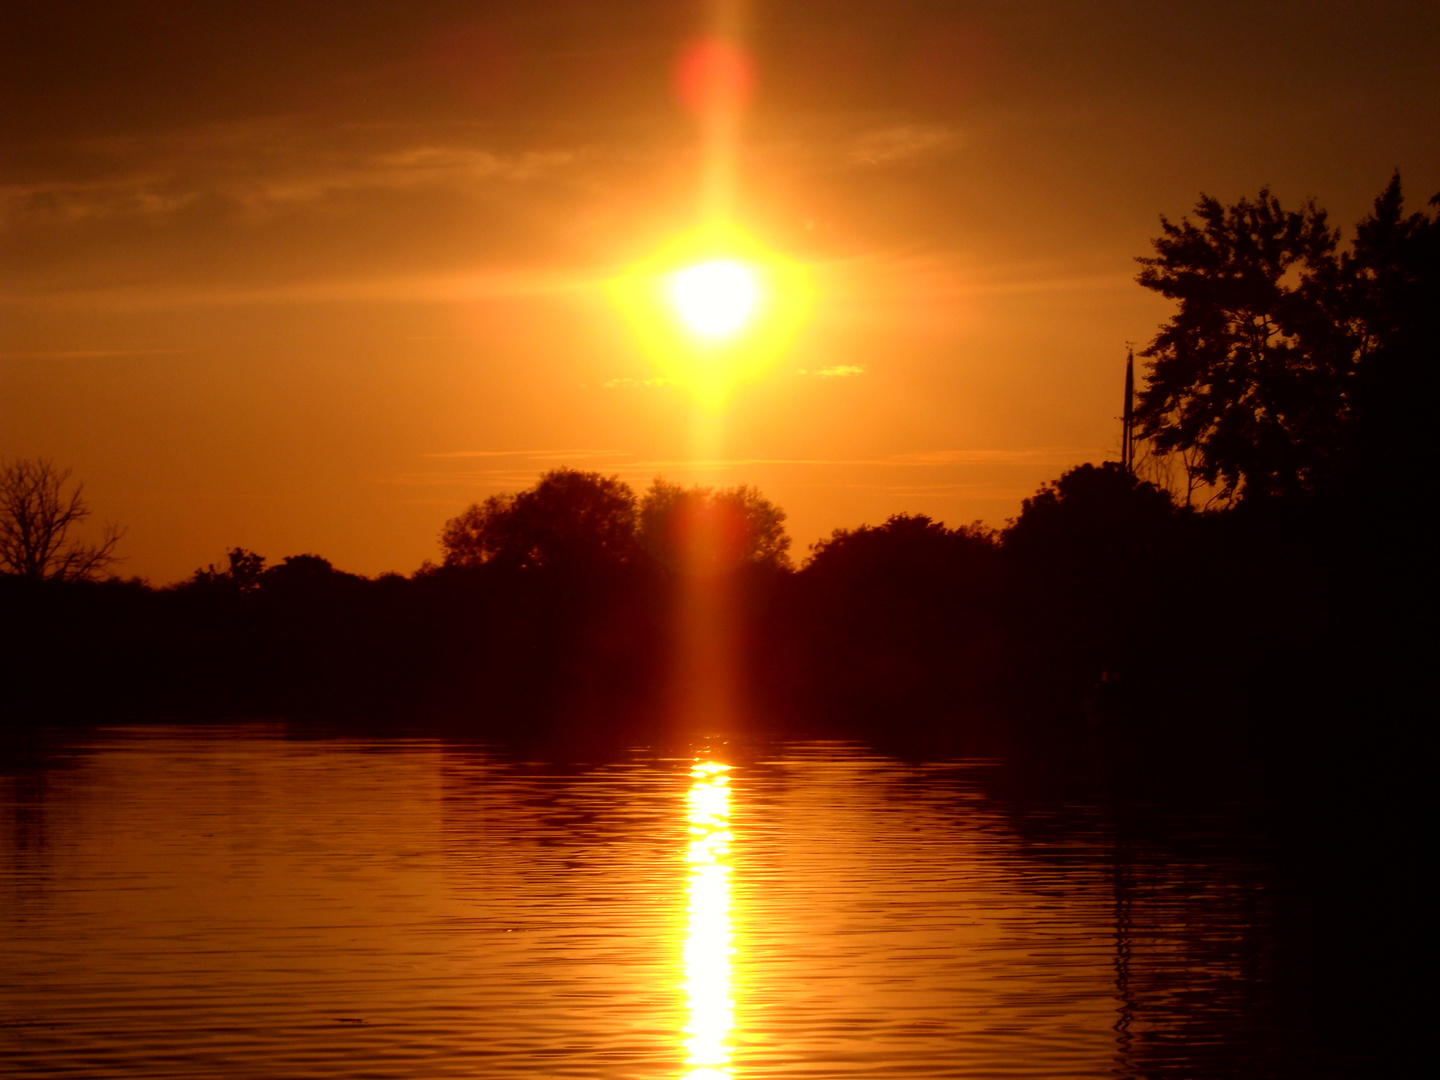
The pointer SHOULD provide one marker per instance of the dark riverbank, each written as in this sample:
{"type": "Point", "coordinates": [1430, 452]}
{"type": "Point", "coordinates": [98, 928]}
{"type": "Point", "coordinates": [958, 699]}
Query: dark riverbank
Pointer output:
{"type": "Point", "coordinates": [1106, 629]}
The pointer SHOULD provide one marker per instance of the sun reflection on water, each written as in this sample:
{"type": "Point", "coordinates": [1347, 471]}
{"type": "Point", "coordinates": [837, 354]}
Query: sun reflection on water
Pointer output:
{"type": "Point", "coordinates": [707, 939]}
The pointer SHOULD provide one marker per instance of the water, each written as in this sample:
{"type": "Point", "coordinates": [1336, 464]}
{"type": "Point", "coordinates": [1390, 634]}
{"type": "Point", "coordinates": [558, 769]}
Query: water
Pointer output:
{"type": "Point", "coordinates": [237, 902]}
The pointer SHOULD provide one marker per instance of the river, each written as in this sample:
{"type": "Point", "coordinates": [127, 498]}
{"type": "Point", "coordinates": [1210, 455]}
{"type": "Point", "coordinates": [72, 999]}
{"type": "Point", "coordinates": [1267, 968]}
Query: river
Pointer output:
{"type": "Point", "coordinates": [250, 901]}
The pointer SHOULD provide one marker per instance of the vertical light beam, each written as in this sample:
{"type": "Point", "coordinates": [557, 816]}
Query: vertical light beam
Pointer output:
{"type": "Point", "coordinates": [707, 942]}
{"type": "Point", "coordinates": [714, 79]}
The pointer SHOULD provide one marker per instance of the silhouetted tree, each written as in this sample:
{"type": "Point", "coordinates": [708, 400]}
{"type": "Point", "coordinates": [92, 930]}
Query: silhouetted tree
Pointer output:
{"type": "Point", "coordinates": [1392, 278]}
{"type": "Point", "coordinates": [241, 574]}
{"type": "Point", "coordinates": [914, 545]}
{"type": "Point", "coordinates": [1095, 570]}
{"type": "Point", "coordinates": [898, 624]}
{"type": "Point", "coordinates": [568, 519]}
{"type": "Point", "coordinates": [1291, 368]}
{"type": "Point", "coordinates": [1250, 370]}
{"type": "Point", "coordinates": [305, 576]}
{"type": "Point", "coordinates": [37, 516]}
{"type": "Point", "coordinates": [1093, 515]}
{"type": "Point", "coordinates": [701, 529]}
{"type": "Point", "coordinates": [300, 568]}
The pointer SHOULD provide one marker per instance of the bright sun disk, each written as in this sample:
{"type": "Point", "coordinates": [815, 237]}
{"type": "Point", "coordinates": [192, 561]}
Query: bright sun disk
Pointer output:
{"type": "Point", "coordinates": [714, 309]}
{"type": "Point", "coordinates": [715, 298]}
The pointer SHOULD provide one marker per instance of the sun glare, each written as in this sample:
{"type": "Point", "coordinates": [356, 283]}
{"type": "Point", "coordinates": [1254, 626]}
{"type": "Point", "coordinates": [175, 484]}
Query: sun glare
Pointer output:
{"type": "Point", "coordinates": [707, 940]}
{"type": "Point", "coordinates": [715, 298]}
{"type": "Point", "coordinates": [714, 309]}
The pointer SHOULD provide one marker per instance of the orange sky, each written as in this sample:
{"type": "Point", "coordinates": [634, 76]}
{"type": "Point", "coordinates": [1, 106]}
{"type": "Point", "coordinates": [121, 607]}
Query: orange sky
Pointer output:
{"type": "Point", "coordinates": [312, 277]}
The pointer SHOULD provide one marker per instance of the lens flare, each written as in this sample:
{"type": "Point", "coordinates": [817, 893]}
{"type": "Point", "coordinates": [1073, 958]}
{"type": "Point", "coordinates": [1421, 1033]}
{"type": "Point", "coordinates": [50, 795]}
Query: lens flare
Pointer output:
{"type": "Point", "coordinates": [714, 75]}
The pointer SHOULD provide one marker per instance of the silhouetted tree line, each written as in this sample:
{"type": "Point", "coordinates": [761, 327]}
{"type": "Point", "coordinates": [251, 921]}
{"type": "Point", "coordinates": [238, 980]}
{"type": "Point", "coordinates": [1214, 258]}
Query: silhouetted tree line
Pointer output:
{"type": "Point", "coordinates": [1112, 617]}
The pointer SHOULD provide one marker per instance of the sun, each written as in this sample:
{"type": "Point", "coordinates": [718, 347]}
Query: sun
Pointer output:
{"type": "Point", "coordinates": [716, 298]}
{"type": "Point", "coordinates": [714, 309]}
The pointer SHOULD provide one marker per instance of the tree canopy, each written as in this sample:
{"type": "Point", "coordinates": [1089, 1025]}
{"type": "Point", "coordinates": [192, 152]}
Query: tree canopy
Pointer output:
{"type": "Point", "coordinates": [1249, 369]}
{"type": "Point", "coordinates": [1262, 373]}
{"type": "Point", "coordinates": [582, 520]}
{"type": "Point", "coordinates": [913, 544]}
{"type": "Point", "coordinates": [702, 529]}
{"type": "Point", "coordinates": [1091, 517]}
{"type": "Point", "coordinates": [568, 519]}
{"type": "Point", "coordinates": [242, 573]}
{"type": "Point", "coordinates": [1392, 276]}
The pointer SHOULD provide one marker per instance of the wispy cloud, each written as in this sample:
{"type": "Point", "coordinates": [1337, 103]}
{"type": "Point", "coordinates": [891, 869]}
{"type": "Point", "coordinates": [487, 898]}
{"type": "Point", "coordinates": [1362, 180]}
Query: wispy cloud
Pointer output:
{"type": "Point", "coordinates": [88, 354]}
{"type": "Point", "coordinates": [1041, 455]}
{"type": "Point", "coordinates": [257, 168]}
{"type": "Point", "coordinates": [538, 455]}
{"type": "Point", "coordinates": [953, 491]}
{"type": "Point", "coordinates": [626, 381]}
{"type": "Point", "coordinates": [490, 283]}
{"type": "Point", "coordinates": [466, 478]}
{"type": "Point", "coordinates": [838, 371]}
{"type": "Point", "coordinates": [904, 142]}
{"type": "Point", "coordinates": [66, 202]}
{"type": "Point", "coordinates": [1052, 455]}
{"type": "Point", "coordinates": [453, 167]}
{"type": "Point", "coordinates": [508, 472]}
{"type": "Point", "coordinates": [1033, 455]}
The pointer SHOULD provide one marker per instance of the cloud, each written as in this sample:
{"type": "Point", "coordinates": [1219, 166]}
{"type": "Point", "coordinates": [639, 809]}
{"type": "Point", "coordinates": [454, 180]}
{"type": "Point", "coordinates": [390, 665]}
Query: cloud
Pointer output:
{"type": "Point", "coordinates": [88, 354]}
{"type": "Point", "coordinates": [1049, 455]}
{"type": "Point", "coordinates": [913, 469]}
{"type": "Point", "coordinates": [953, 491]}
{"type": "Point", "coordinates": [491, 283]}
{"type": "Point", "coordinates": [66, 202]}
{"type": "Point", "coordinates": [257, 168]}
{"type": "Point", "coordinates": [458, 168]}
{"type": "Point", "coordinates": [625, 381]}
{"type": "Point", "coordinates": [906, 142]}
{"type": "Point", "coordinates": [539, 455]}
{"type": "Point", "coordinates": [469, 478]}
{"type": "Point", "coordinates": [838, 371]}
{"type": "Point", "coordinates": [1034, 455]}
{"type": "Point", "coordinates": [509, 471]}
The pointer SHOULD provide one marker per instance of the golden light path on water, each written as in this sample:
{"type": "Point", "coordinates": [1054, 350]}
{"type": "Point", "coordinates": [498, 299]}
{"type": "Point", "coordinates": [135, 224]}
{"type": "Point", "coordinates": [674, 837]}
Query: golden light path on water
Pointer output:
{"type": "Point", "coordinates": [707, 940]}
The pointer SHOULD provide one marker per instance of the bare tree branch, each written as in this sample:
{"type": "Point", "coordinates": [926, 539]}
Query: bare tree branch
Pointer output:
{"type": "Point", "coordinates": [37, 517]}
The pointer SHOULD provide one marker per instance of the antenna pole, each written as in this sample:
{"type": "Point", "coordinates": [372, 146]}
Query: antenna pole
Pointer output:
{"type": "Point", "coordinates": [1127, 433]}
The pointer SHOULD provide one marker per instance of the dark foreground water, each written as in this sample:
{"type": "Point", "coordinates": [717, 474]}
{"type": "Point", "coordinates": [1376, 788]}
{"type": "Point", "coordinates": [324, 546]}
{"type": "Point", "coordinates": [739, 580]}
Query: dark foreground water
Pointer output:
{"type": "Point", "coordinates": [237, 902]}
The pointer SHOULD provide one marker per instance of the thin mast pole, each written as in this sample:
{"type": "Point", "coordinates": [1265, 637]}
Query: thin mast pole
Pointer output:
{"type": "Point", "coordinates": [1127, 434]}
